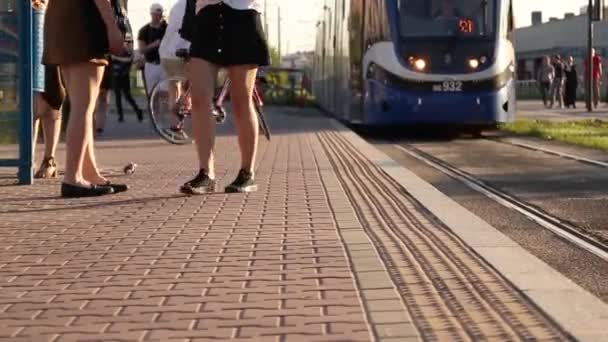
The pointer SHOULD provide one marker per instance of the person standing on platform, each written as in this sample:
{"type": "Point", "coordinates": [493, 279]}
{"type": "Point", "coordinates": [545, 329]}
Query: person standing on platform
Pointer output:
{"type": "Point", "coordinates": [545, 77]}
{"type": "Point", "coordinates": [79, 35]}
{"type": "Point", "coordinates": [149, 39]}
{"type": "Point", "coordinates": [48, 96]}
{"type": "Point", "coordinates": [571, 83]}
{"type": "Point", "coordinates": [224, 34]}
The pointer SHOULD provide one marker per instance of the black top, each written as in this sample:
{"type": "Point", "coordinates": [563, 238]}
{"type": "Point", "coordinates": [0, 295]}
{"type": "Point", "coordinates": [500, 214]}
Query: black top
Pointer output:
{"type": "Point", "coordinates": [149, 35]}
{"type": "Point", "coordinates": [559, 70]}
{"type": "Point", "coordinates": [122, 67]}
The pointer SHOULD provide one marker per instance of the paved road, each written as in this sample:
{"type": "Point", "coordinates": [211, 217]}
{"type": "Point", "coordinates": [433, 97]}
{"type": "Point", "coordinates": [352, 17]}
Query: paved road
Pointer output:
{"type": "Point", "coordinates": [535, 110]}
{"type": "Point", "coordinates": [568, 189]}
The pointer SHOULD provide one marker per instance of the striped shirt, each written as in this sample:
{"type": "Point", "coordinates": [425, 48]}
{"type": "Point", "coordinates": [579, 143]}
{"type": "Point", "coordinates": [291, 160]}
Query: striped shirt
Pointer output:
{"type": "Point", "coordinates": [236, 4]}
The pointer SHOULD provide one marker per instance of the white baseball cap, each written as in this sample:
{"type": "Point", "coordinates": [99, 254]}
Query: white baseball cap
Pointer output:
{"type": "Point", "coordinates": [156, 8]}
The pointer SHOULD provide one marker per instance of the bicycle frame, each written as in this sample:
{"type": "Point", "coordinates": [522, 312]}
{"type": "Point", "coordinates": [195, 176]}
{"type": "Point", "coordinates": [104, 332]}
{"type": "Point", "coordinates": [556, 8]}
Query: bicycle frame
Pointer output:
{"type": "Point", "coordinates": [218, 102]}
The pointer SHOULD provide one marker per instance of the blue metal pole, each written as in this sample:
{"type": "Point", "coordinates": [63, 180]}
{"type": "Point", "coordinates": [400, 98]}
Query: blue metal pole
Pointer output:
{"type": "Point", "coordinates": [25, 93]}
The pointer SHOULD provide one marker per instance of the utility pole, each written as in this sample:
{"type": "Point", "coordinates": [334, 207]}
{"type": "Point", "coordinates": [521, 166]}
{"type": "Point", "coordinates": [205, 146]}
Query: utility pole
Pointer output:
{"type": "Point", "coordinates": [589, 84]}
{"type": "Point", "coordinates": [266, 19]}
{"type": "Point", "coordinates": [279, 35]}
{"type": "Point", "coordinates": [595, 12]}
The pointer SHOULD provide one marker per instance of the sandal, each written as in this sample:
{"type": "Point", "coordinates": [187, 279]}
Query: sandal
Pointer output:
{"type": "Point", "coordinates": [48, 169]}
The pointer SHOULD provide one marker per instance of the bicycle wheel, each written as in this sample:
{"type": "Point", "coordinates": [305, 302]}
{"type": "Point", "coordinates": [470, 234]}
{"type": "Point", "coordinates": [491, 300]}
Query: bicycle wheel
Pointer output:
{"type": "Point", "coordinates": [262, 122]}
{"type": "Point", "coordinates": [171, 120]}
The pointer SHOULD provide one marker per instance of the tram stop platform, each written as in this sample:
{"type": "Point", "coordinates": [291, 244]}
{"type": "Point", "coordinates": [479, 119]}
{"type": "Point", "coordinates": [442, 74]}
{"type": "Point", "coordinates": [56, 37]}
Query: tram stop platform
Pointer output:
{"type": "Point", "coordinates": [340, 243]}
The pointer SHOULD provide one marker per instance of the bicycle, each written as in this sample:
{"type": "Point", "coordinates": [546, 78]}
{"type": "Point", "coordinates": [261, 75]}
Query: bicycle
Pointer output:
{"type": "Point", "coordinates": [172, 121]}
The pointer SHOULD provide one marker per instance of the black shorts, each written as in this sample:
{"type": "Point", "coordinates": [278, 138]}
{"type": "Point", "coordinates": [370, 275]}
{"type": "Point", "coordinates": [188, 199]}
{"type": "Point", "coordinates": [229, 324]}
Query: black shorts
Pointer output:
{"type": "Point", "coordinates": [54, 91]}
{"type": "Point", "coordinates": [226, 36]}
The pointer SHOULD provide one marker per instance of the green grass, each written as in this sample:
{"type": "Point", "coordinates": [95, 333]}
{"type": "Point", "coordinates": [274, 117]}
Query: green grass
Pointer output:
{"type": "Point", "coordinates": [587, 133]}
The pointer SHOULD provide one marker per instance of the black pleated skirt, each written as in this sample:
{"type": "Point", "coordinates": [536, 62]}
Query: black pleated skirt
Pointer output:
{"type": "Point", "coordinates": [227, 37]}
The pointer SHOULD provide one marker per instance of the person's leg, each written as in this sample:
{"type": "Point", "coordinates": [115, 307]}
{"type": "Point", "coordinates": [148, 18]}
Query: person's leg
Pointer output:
{"type": "Point", "coordinates": [153, 75]}
{"type": "Point", "coordinates": [596, 93]}
{"type": "Point", "coordinates": [126, 90]}
{"type": "Point", "coordinates": [203, 124]}
{"type": "Point", "coordinates": [82, 82]}
{"type": "Point", "coordinates": [245, 118]}
{"type": "Point", "coordinates": [101, 110]}
{"type": "Point", "coordinates": [543, 92]}
{"type": "Point", "coordinates": [246, 121]}
{"type": "Point", "coordinates": [51, 125]}
{"type": "Point", "coordinates": [562, 87]}
{"type": "Point", "coordinates": [118, 89]}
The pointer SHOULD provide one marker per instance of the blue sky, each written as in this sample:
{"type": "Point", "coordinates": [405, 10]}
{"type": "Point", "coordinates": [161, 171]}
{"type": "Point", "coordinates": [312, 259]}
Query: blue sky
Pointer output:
{"type": "Point", "coordinates": [299, 17]}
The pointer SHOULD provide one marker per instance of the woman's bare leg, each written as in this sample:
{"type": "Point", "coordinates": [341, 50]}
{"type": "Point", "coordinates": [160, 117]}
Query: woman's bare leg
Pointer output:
{"type": "Point", "coordinates": [203, 124]}
{"type": "Point", "coordinates": [82, 82]}
{"type": "Point", "coordinates": [245, 118]}
{"type": "Point", "coordinates": [90, 170]}
{"type": "Point", "coordinates": [51, 126]}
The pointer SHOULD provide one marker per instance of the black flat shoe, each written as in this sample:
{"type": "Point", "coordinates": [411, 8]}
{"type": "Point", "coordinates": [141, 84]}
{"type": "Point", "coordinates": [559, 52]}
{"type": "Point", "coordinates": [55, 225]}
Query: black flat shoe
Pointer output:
{"type": "Point", "coordinates": [118, 188]}
{"type": "Point", "coordinates": [73, 191]}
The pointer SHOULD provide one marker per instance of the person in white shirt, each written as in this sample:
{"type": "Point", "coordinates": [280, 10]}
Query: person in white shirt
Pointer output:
{"type": "Point", "coordinates": [224, 34]}
{"type": "Point", "coordinates": [172, 65]}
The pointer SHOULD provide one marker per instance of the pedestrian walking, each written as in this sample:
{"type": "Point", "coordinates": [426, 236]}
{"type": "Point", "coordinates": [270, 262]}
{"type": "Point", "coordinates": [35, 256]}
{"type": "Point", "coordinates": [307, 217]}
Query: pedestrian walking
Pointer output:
{"type": "Point", "coordinates": [571, 83]}
{"type": "Point", "coordinates": [149, 39]}
{"type": "Point", "coordinates": [597, 73]}
{"type": "Point", "coordinates": [557, 88]}
{"type": "Point", "coordinates": [229, 35]}
{"type": "Point", "coordinates": [545, 77]}
{"type": "Point", "coordinates": [121, 67]}
{"type": "Point", "coordinates": [103, 100]}
{"type": "Point", "coordinates": [79, 35]}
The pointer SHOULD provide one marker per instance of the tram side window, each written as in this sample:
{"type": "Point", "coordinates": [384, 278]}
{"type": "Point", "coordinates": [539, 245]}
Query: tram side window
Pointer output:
{"type": "Point", "coordinates": [376, 23]}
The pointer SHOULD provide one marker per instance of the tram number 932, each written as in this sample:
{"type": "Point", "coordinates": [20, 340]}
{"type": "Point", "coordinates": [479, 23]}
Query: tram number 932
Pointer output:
{"type": "Point", "coordinates": [448, 87]}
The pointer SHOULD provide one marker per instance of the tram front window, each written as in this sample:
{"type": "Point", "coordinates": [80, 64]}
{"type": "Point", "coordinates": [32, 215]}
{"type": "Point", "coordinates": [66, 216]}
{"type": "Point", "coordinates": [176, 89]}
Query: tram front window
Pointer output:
{"type": "Point", "coordinates": [447, 18]}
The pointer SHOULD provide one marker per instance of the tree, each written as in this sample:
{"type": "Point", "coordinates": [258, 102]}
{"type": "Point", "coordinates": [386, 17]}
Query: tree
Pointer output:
{"type": "Point", "coordinates": [275, 59]}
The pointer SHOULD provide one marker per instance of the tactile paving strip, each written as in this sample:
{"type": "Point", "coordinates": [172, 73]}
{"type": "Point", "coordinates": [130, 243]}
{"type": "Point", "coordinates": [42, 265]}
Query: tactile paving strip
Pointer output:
{"type": "Point", "coordinates": [451, 293]}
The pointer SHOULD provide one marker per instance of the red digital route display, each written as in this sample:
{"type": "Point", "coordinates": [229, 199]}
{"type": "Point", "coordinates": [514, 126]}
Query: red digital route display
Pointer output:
{"type": "Point", "coordinates": [466, 25]}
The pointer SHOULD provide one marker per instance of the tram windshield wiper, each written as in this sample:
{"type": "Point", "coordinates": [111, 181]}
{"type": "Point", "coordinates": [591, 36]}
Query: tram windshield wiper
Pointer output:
{"type": "Point", "coordinates": [484, 15]}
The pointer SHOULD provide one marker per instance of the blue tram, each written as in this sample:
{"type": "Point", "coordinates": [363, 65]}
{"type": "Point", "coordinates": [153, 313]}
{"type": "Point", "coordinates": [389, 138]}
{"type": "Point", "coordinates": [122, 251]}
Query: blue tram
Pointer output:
{"type": "Point", "coordinates": [391, 62]}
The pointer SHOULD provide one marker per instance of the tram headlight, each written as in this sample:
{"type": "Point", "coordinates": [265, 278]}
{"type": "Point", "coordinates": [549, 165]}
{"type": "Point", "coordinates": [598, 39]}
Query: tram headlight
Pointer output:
{"type": "Point", "coordinates": [417, 63]}
{"type": "Point", "coordinates": [474, 63]}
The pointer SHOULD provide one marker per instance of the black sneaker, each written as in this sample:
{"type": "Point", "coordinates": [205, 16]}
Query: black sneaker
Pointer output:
{"type": "Point", "coordinates": [244, 182]}
{"type": "Point", "coordinates": [201, 184]}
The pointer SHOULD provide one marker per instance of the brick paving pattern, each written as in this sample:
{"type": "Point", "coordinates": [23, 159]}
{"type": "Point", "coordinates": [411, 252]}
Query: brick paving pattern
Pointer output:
{"type": "Point", "coordinates": [153, 265]}
{"type": "Point", "coordinates": [329, 249]}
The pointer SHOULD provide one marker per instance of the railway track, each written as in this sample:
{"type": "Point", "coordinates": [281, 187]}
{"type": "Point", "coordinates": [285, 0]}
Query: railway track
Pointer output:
{"type": "Point", "coordinates": [548, 151]}
{"type": "Point", "coordinates": [558, 226]}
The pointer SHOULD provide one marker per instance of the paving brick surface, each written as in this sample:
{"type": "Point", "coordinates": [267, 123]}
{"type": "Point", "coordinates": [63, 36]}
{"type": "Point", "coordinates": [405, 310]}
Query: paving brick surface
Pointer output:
{"type": "Point", "coordinates": [329, 249]}
{"type": "Point", "coordinates": [153, 265]}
